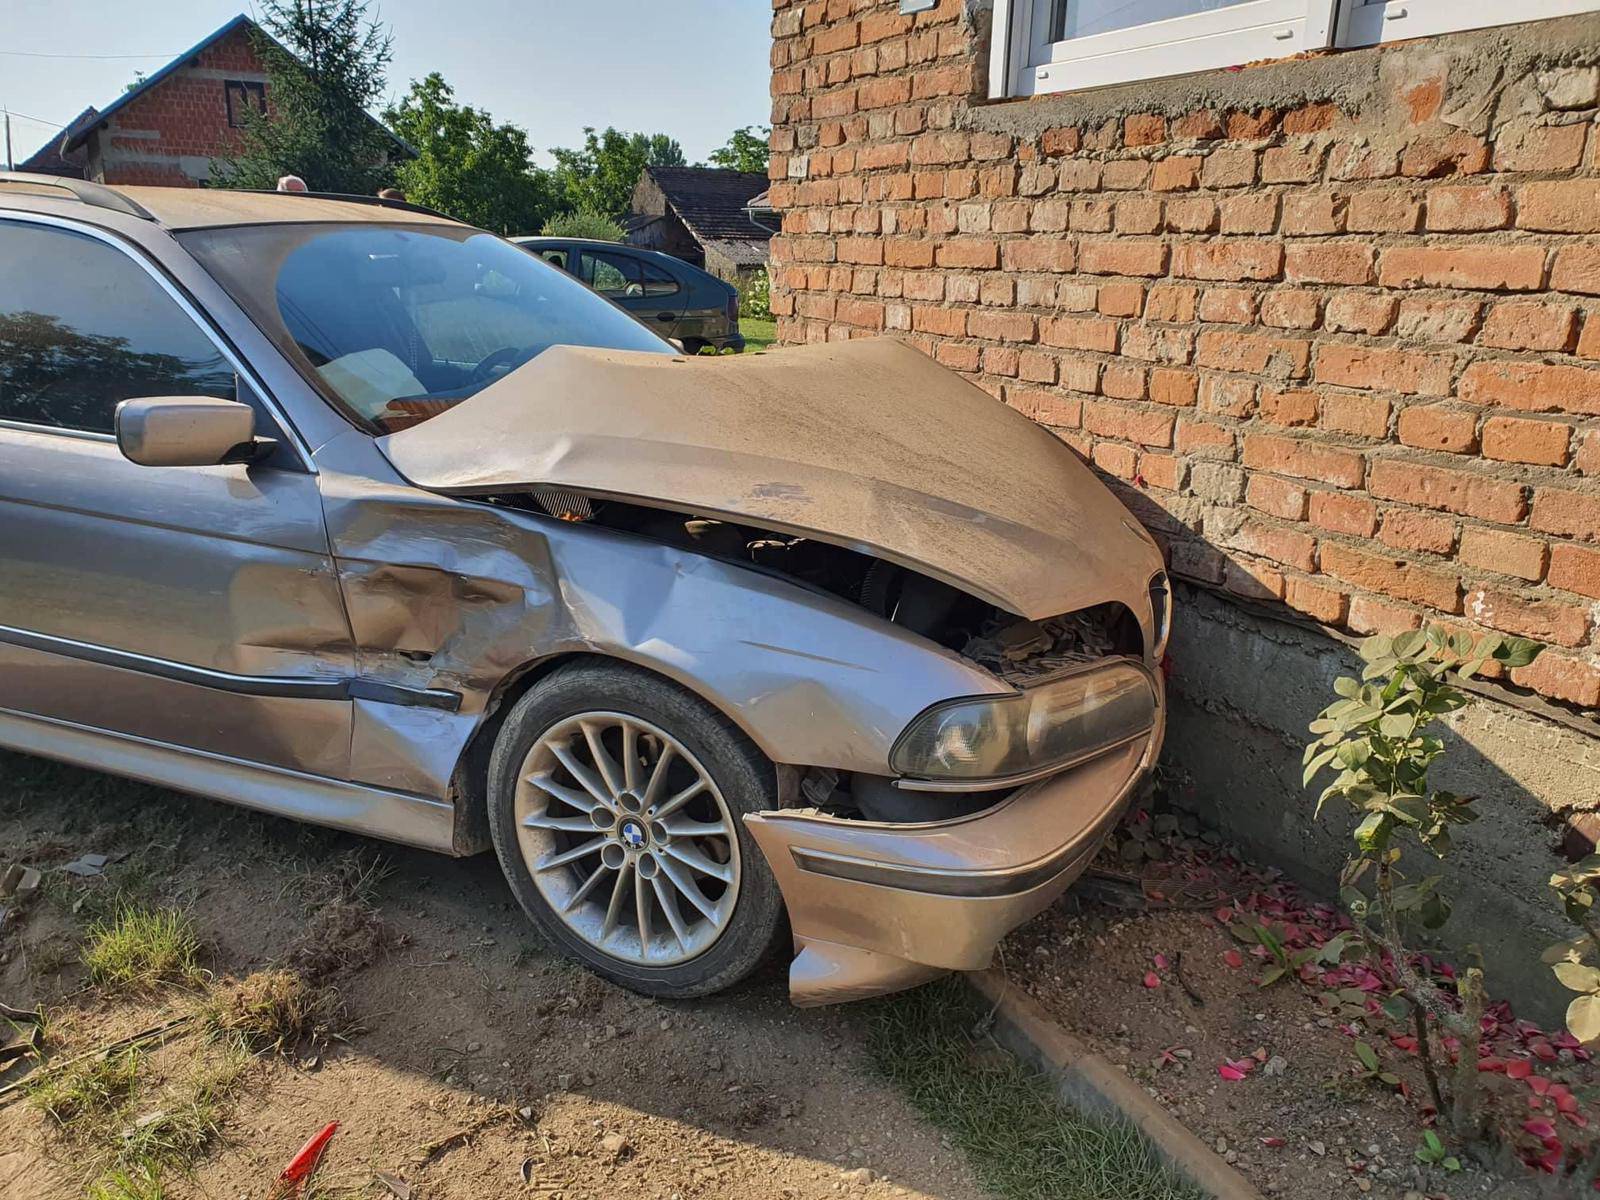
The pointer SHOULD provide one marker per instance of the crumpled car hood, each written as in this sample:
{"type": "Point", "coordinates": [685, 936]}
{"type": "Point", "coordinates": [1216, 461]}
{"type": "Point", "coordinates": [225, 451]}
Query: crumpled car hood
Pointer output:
{"type": "Point", "coordinates": [867, 444]}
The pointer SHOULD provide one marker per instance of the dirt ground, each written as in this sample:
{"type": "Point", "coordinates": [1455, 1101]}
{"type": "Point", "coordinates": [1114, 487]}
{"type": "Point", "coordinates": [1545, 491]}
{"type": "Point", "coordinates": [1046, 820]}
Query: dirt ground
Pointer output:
{"type": "Point", "coordinates": [1298, 1119]}
{"type": "Point", "coordinates": [475, 1064]}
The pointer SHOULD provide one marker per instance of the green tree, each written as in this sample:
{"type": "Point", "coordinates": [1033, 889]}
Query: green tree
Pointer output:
{"type": "Point", "coordinates": [746, 150]}
{"type": "Point", "coordinates": [466, 165]}
{"type": "Point", "coordinates": [325, 63]}
{"type": "Point", "coordinates": [600, 176]}
{"type": "Point", "coordinates": [591, 226]}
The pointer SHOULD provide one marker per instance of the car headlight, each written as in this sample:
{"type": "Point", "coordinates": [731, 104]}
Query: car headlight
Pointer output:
{"type": "Point", "coordinates": [1050, 726]}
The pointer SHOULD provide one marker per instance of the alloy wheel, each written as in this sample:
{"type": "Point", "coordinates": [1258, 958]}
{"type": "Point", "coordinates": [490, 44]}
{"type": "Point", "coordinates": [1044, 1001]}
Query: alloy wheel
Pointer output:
{"type": "Point", "coordinates": [627, 838]}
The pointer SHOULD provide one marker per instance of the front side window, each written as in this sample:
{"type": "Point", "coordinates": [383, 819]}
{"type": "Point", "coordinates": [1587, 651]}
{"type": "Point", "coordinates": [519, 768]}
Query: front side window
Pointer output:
{"type": "Point", "coordinates": [1067, 45]}
{"type": "Point", "coordinates": [83, 327]}
{"type": "Point", "coordinates": [397, 323]}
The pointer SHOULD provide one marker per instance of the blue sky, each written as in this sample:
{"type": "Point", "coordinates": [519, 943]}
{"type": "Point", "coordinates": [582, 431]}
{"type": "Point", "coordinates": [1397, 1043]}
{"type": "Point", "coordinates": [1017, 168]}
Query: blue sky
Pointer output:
{"type": "Point", "coordinates": [694, 69]}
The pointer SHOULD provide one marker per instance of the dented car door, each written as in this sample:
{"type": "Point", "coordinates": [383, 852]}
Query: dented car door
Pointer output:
{"type": "Point", "coordinates": [189, 606]}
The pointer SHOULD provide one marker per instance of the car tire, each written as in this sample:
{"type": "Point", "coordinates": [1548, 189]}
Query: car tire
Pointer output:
{"type": "Point", "coordinates": [694, 346]}
{"type": "Point", "coordinates": [738, 779]}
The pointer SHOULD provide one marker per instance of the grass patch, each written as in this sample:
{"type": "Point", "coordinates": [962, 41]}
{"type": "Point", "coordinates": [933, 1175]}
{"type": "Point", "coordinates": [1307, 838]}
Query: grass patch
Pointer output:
{"type": "Point", "coordinates": [87, 1095]}
{"type": "Point", "coordinates": [343, 932]}
{"type": "Point", "coordinates": [179, 1127]}
{"type": "Point", "coordinates": [129, 1133]}
{"type": "Point", "coordinates": [271, 1010]}
{"type": "Point", "coordinates": [758, 334]}
{"type": "Point", "coordinates": [139, 948]}
{"type": "Point", "coordinates": [140, 1182]}
{"type": "Point", "coordinates": [1021, 1142]}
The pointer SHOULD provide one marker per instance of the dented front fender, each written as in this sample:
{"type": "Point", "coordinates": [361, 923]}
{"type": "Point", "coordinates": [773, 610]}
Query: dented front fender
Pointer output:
{"type": "Point", "coordinates": [459, 595]}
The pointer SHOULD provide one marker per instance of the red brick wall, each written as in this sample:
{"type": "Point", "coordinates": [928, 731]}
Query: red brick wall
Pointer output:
{"type": "Point", "coordinates": [1340, 357]}
{"type": "Point", "coordinates": [187, 112]}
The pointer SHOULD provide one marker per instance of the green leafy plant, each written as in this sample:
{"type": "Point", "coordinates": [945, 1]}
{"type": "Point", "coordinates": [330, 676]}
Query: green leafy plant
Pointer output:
{"type": "Point", "coordinates": [1376, 739]}
{"type": "Point", "coordinates": [591, 226]}
{"type": "Point", "coordinates": [755, 297]}
{"type": "Point", "coordinates": [745, 150]}
{"type": "Point", "coordinates": [1372, 1067]}
{"type": "Point", "coordinates": [600, 175]}
{"type": "Point", "coordinates": [468, 165]}
{"type": "Point", "coordinates": [1433, 1153]}
{"type": "Point", "coordinates": [326, 64]}
{"type": "Point", "coordinates": [1577, 888]}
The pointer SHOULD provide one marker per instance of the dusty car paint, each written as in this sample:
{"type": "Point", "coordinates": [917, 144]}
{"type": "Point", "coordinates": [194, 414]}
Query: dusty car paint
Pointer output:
{"type": "Point", "coordinates": [813, 680]}
{"type": "Point", "coordinates": [868, 444]}
{"type": "Point", "coordinates": [365, 632]}
{"type": "Point", "coordinates": [875, 907]}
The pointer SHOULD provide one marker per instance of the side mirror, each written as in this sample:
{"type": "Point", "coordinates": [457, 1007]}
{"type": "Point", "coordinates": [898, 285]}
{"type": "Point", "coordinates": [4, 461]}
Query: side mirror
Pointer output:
{"type": "Point", "coordinates": [187, 431]}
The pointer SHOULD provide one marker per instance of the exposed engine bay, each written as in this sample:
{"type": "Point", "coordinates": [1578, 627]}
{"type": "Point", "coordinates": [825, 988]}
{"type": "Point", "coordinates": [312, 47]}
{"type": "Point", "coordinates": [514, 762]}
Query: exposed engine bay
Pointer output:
{"type": "Point", "coordinates": [1016, 650]}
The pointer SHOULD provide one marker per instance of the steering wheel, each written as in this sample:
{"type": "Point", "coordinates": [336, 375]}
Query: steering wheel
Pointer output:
{"type": "Point", "coordinates": [506, 356]}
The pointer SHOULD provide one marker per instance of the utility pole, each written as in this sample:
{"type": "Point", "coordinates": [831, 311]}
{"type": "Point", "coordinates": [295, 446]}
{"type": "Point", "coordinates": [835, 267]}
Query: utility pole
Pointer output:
{"type": "Point", "coordinates": [8, 140]}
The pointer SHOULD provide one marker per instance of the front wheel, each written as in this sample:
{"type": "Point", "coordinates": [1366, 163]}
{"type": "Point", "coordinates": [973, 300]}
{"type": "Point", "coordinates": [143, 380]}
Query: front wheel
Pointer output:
{"type": "Point", "coordinates": [615, 800]}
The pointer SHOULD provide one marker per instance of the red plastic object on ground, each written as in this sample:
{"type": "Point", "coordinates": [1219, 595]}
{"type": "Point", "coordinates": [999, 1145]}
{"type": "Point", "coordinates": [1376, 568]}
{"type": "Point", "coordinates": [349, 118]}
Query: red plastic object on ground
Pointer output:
{"type": "Point", "coordinates": [306, 1159]}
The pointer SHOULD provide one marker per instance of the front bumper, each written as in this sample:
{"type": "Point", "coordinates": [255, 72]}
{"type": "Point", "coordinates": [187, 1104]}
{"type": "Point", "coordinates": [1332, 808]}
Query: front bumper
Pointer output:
{"type": "Point", "coordinates": [876, 907]}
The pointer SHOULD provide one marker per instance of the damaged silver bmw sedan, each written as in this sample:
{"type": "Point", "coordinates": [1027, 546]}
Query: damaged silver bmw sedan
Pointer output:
{"type": "Point", "coordinates": [351, 513]}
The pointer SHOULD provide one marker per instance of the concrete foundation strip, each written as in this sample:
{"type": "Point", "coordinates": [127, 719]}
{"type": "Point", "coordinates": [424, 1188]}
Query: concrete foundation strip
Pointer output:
{"type": "Point", "coordinates": [1092, 1085]}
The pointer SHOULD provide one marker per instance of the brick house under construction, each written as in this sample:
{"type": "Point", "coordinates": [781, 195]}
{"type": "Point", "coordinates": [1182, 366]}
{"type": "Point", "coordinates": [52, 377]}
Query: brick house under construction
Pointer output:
{"type": "Point", "coordinates": [1330, 325]}
{"type": "Point", "coordinates": [166, 130]}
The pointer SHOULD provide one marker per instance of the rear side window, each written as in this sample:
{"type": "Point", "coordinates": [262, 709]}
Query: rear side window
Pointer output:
{"type": "Point", "coordinates": [82, 327]}
{"type": "Point", "coordinates": [613, 274]}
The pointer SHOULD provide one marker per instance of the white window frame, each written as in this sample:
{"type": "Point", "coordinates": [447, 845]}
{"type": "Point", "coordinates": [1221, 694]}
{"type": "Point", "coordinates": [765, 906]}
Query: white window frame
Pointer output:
{"type": "Point", "coordinates": [1366, 24]}
{"type": "Point", "coordinates": [1025, 61]}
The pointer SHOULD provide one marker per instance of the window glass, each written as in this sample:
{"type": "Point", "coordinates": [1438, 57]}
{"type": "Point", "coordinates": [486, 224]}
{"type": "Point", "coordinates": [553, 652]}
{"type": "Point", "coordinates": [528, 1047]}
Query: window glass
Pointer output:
{"type": "Point", "coordinates": [1085, 18]}
{"type": "Point", "coordinates": [656, 281]}
{"type": "Point", "coordinates": [243, 98]}
{"type": "Point", "coordinates": [397, 323]}
{"type": "Point", "coordinates": [556, 258]}
{"type": "Point", "coordinates": [82, 327]}
{"type": "Point", "coordinates": [614, 274]}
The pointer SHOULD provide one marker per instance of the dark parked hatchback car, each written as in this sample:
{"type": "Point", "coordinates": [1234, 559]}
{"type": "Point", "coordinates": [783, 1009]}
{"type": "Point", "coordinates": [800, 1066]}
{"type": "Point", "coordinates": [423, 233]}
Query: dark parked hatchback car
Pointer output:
{"type": "Point", "coordinates": [677, 300]}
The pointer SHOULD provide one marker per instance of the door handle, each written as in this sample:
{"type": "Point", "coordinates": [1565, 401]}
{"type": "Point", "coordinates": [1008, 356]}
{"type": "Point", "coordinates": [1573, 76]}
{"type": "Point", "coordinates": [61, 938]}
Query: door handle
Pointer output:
{"type": "Point", "coordinates": [665, 316]}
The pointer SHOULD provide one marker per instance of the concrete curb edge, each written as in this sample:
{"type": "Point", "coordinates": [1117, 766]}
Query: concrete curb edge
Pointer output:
{"type": "Point", "coordinates": [1092, 1085]}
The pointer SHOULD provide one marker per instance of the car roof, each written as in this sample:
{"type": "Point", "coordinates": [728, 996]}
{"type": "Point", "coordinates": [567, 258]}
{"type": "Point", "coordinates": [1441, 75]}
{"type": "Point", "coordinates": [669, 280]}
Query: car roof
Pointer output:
{"type": "Point", "coordinates": [181, 208]}
{"type": "Point", "coordinates": [532, 242]}
{"type": "Point", "coordinates": [598, 244]}
{"type": "Point", "coordinates": [201, 208]}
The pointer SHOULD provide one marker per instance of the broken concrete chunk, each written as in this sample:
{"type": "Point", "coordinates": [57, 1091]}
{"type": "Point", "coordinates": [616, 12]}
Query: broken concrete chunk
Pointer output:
{"type": "Point", "coordinates": [18, 883]}
{"type": "Point", "coordinates": [87, 865]}
{"type": "Point", "coordinates": [1570, 87]}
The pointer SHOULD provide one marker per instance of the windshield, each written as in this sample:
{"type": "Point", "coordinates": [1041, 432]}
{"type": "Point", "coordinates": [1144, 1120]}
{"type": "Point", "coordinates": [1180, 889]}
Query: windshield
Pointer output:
{"type": "Point", "coordinates": [396, 324]}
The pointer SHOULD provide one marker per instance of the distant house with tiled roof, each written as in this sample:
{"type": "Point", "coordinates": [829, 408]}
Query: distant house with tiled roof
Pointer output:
{"type": "Point", "coordinates": [700, 214]}
{"type": "Point", "coordinates": [49, 159]}
{"type": "Point", "coordinates": [169, 127]}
